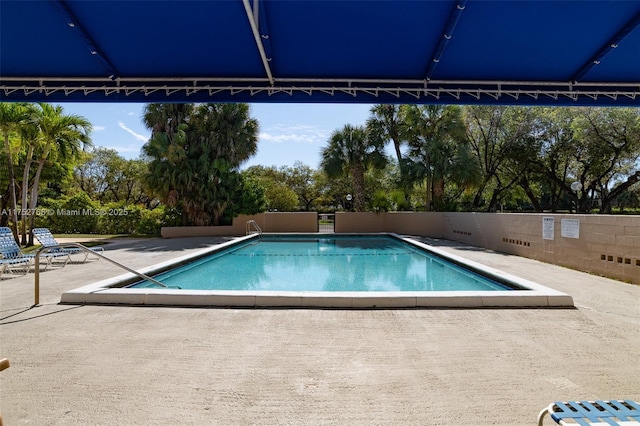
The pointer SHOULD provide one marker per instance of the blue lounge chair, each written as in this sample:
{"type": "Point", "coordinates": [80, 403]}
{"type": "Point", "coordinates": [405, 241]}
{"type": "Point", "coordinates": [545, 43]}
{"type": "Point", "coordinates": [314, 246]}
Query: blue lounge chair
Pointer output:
{"type": "Point", "coordinates": [46, 239]}
{"type": "Point", "coordinates": [10, 250]}
{"type": "Point", "coordinates": [14, 266]}
{"type": "Point", "coordinates": [601, 413]}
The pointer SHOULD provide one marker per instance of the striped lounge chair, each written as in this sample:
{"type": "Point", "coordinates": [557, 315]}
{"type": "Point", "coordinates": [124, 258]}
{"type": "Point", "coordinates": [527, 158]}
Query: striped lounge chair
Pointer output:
{"type": "Point", "coordinates": [593, 413]}
{"type": "Point", "coordinates": [13, 266]}
{"type": "Point", "coordinates": [46, 239]}
{"type": "Point", "coordinates": [10, 252]}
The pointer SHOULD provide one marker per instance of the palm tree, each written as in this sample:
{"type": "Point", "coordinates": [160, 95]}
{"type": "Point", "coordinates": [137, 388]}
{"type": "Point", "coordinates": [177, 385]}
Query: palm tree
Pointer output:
{"type": "Point", "coordinates": [389, 123]}
{"type": "Point", "coordinates": [439, 151]}
{"type": "Point", "coordinates": [61, 134]}
{"type": "Point", "coordinates": [221, 137]}
{"type": "Point", "coordinates": [224, 131]}
{"type": "Point", "coordinates": [166, 148]}
{"type": "Point", "coordinates": [194, 164]}
{"type": "Point", "coordinates": [11, 117]}
{"type": "Point", "coordinates": [165, 118]}
{"type": "Point", "coordinates": [351, 151]}
{"type": "Point", "coordinates": [167, 170]}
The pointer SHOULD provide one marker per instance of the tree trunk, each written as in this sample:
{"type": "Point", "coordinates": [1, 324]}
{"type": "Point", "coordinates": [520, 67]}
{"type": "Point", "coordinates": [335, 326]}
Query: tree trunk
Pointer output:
{"type": "Point", "coordinates": [493, 204]}
{"type": "Point", "coordinates": [437, 190]}
{"type": "Point", "coordinates": [25, 193]}
{"type": "Point", "coordinates": [34, 194]}
{"type": "Point", "coordinates": [555, 198]}
{"type": "Point", "coordinates": [429, 194]}
{"type": "Point", "coordinates": [524, 183]}
{"type": "Point", "coordinates": [477, 199]}
{"type": "Point", "coordinates": [606, 201]}
{"type": "Point", "coordinates": [12, 188]}
{"type": "Point", "coordinates": [357, 174]}
{"type": "Point", "coordinates": [4, 217]}
{"type": "Point", "coordinates": [403, 169]}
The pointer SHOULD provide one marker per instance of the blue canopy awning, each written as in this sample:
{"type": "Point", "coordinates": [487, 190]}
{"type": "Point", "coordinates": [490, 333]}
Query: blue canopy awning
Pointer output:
{"type": "Point", "coordinates": [380, 51]}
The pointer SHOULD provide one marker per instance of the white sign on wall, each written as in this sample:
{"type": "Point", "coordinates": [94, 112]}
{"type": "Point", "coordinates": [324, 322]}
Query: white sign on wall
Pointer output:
{"type": "Point", "coordinates": [548, 228]}
{"type": "Point", "coordinates": [570, 228]}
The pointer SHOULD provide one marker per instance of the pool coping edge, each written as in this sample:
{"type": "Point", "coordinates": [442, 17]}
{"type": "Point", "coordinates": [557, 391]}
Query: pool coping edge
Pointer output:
{"type": "Point", "coordinates": [535, 295]}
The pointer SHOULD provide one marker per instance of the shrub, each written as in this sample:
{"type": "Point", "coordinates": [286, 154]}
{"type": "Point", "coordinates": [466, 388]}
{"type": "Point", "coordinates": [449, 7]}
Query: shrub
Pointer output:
{"type": "Point", "coordinates": [117, 218]}
{"type": "Point", "coordinates": [77, 214]}
{"type": "Point", "coordinates": [152, 220]}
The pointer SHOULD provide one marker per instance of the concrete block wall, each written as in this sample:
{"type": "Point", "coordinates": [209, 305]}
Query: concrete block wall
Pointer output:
{"type": "Point", "coordinates": [288, 222]}
{"type": "Point", "coordinates": [358, 222]}
{"type": "Point", "coordinates": [606, 245]}
{"type": "Point", "coordinates": [268, 222]}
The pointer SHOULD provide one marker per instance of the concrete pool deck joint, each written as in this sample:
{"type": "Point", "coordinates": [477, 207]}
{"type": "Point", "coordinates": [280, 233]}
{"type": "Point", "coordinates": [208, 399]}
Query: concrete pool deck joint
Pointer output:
{"type": "Point", "coordinates": [110, 291]}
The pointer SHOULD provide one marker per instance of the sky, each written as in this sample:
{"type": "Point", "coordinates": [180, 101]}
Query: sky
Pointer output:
{"type": "Point", "coordinates": [288, 132]}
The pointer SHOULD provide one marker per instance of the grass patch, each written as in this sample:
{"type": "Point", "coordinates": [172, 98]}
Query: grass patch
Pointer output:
{"type": "Point", "coordinates": [34, 248]}
{"type": "Point", "coordinates": [97, 236]}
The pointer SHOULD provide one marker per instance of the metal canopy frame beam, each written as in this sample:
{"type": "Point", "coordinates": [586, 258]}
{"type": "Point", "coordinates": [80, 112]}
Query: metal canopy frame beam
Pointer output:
{"type": "Point", "coordinates": [363, 90]}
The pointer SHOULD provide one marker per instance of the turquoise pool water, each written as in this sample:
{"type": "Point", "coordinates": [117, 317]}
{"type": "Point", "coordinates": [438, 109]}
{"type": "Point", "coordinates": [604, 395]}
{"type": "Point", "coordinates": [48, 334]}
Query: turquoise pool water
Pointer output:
{"type": "Point", "coordinates": [332, 263]}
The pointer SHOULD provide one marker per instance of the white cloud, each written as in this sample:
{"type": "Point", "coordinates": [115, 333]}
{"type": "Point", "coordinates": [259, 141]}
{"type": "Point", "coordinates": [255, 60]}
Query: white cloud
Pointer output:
{"type": "Point", "coordinates": [297, 133]}
{"type": "Point", "coordinates": [280, 138]}
{"type": "Point", "coordinates": [124, 149]}
{"type": "Point", "coordinates": [138, 136]}
{"type": "Point", "coordinates": [99, 128]}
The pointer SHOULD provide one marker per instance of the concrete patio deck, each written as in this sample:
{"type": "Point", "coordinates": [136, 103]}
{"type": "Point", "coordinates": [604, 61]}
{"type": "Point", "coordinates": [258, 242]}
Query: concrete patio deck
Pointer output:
{"type": "Point", "coordinates": [104, 365]}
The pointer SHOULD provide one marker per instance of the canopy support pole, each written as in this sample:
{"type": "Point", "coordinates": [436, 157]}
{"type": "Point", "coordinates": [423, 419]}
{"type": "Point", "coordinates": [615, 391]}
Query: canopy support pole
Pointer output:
{"type": "Point", "coordinates": [446, 36]}
{"type": "Point", "coordinates": [256, 36]}
{"type": "Point", "coordinates": [607, 48]}
{"type": "Point", "coordinates": [73, 23]}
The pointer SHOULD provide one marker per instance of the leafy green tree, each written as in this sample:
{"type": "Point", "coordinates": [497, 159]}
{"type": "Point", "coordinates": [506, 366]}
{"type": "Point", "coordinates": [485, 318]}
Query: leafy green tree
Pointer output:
{"type": "Point", "coordinates": [555, 139]}
{"type": "Point", "coordinates": [251, 198]}
{"type": "Point", "coordinates": [333, 192]}
{"type": "Point", "coordinates": [108, 177]}
{"type": "Point", "coordinates": [306, 183]}
{"type": "Point", "coordinates": [607, 158]}
{"type": "Point", "coordinates": [520, 167]}
{"type": "Point", "coordinates": [599, 148]}
{"type": "Point", "coordinates": [278, 195]}
{"type": "Point", "coordinates": [289, 188]}
{"type": "Point", "coordinates": [495, 135]}
{"type": "Point", "coordinates": [350, 152]}
{"type": "Point", "coordinates": [628, 199]}
{"type": "Point", "coordinates": [263, 172]}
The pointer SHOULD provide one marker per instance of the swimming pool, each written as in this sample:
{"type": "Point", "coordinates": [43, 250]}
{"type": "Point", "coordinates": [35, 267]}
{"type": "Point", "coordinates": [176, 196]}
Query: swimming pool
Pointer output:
{"type": "Point", "coordinates": [501, 289]}
{"type": "Point", "coordinates": [335, 263]}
